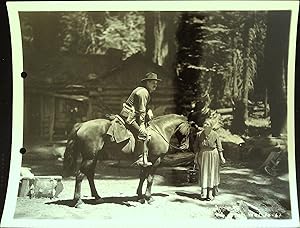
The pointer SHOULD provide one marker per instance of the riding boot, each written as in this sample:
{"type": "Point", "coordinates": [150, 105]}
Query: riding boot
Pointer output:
{"type": "Point", "coordinates": [141, 151]}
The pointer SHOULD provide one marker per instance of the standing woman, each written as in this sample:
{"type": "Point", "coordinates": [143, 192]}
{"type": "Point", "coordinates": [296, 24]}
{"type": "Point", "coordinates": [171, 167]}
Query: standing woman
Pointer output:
{"type": "Point", "coordinates": [209, 152]}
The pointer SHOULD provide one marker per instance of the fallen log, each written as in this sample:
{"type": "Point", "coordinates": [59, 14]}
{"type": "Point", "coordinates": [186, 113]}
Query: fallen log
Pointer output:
{"type": "Point", "coordinates": [178, 159]}
{"type": "Point", "coordinates": [224, 111]}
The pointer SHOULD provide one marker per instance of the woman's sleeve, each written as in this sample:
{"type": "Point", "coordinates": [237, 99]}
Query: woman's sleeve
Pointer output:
{"type": "Point", "coordinates": [197, 143]}
{"type": "Point", "coordinates": [219, 144]}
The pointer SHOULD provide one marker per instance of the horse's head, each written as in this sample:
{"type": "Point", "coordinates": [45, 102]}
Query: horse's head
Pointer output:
{"type": "Point", "coordinates": [175, 124]}
{"type": "Point", "coordinates": [182, 134]}
{"type": "Point", "coordinates": [192, 135]}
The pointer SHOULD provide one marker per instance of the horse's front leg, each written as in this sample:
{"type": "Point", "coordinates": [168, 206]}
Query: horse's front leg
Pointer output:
{"type": "Point", "coordinates": [139, 190]}
{"type": "Point", "coordinates": [77, 194]}
{"type": "Point", "coordinates": [150, 178]}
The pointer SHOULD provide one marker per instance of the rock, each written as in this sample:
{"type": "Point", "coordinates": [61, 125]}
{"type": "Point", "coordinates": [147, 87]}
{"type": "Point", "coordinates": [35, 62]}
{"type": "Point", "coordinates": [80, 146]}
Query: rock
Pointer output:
{"type": "Point", "coordinates": [47, 186]}
{"type": "Point", "coordinates": [39, 186]}
{"type": "Point", "coordinates": [238, 216]}
{"type": "Point", "coordinates": [219, 215]}
{"type": "Point", "coordinates": [244, 208]}
{"type": "Point", "coordinates": [58, 189]}
{"type": "Point", "coordinates": [253, 208]}
{"type": "Point", "coordinates": [26, 182]}
{"type": "Point", "coordinates": [25, 187]}
{"type": "Point", "coordinates": [240, 210]}
{"type": "Point", "coordinates": [26, 173]}
{"type": "Point", "coordinates": [222, 211]}
{"type": "Point", "coordinates": [270, 154]}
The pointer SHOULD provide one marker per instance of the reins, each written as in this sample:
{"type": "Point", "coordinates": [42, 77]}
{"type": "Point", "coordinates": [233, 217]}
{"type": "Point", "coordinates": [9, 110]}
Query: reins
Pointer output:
{"type": "Point", "coordinates": [153, 127]}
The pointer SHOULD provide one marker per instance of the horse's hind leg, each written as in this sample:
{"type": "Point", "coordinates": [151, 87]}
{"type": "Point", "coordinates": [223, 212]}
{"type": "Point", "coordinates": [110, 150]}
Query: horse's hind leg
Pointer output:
{"type": "Point", "coordinates": [77, 193]}
{"type": "Point", "coordinates": [88, 168]}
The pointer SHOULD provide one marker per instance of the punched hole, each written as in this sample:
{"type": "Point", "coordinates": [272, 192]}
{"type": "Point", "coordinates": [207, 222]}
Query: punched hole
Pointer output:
{"type": "Point", "coordinates": [23, 74]}
{"type": "Point", "coordinates": [22, 150]}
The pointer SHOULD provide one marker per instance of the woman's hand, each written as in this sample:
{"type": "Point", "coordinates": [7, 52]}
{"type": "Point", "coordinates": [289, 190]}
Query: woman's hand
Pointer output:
{"type": "Point", "coordinates": [222, 157]}
{"type": "Point", "coordinates": [223, 161]}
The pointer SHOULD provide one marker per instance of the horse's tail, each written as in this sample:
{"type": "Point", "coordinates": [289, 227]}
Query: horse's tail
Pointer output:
{"type": "Point", "coordinates": [70, 155]}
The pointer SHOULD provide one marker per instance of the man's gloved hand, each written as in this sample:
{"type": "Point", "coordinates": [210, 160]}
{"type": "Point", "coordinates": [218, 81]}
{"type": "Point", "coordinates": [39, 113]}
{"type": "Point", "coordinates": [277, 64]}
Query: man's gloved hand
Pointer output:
{"type": "Point", "coordinates": [150, 114]}
{"type": "Point", "coordinates": [196, 159]}
{"type": "Point", "coordinates": [142, 130]}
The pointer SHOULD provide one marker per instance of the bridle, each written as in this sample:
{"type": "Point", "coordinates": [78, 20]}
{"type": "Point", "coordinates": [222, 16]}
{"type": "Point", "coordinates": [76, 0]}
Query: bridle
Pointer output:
{"type": "Point", "coordinates": [153, 127]}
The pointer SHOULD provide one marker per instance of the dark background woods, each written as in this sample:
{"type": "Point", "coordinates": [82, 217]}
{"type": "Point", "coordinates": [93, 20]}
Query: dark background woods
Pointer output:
{"type": "Point", "coordinates": [82, 64]}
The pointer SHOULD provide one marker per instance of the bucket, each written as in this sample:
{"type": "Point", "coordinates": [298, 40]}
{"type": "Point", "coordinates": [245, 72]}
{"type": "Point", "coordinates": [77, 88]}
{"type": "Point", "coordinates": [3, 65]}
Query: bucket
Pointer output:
{"type": "Point", "coordinates": [192, 175]}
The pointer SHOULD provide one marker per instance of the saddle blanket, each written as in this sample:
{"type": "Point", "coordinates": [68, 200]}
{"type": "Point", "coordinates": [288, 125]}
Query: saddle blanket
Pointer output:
{"type": "Point", "coordinates": [119, 133]}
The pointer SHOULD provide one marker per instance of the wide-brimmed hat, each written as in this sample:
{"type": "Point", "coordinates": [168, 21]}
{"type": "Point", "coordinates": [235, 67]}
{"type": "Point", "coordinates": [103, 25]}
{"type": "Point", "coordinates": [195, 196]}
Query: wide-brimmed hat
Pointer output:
{"type": "Point", "coordinates": [150, 76]}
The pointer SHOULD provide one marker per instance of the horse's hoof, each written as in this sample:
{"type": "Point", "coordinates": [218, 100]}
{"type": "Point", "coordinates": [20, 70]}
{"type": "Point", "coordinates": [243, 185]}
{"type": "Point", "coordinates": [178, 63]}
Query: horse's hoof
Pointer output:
{"type": "Point", "coordinates": [99, 200]}
{"type": "Point", "coordinates": [142, 200]}
{"type": "Point", "coordinates": [79, 204]}
{"type": "Point", "coordinates": [150, 200]}
{"type": "Point", "coordinates": [140, 196]}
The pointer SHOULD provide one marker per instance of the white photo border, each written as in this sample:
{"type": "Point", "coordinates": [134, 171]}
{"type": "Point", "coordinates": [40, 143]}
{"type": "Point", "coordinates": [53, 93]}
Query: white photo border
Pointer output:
{"type": "Point", "coordinates": [18, 90]}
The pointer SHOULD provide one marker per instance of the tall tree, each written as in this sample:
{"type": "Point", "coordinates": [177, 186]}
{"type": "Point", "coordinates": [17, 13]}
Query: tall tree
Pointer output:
{"type": "Point", "coordinates": [276, 55]}
{"type": "Point", "coordinates": [46, 30]}
{"type": "Point", "coordinates": [160, 30]}
{"type": "Point", "coordinates": [241, 104]}
{"type": "Point", "coordinates": [189, 56]}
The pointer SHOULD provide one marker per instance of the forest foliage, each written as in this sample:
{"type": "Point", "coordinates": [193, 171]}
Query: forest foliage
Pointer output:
{"type": "Point", "coordinates": [211, 48]}
{"type": "Point", "coordinates": [87, 32]}
{"type": "Point", "coordinates": [216, 60]}
{"type": "Point", "coordinates": [217, 53]}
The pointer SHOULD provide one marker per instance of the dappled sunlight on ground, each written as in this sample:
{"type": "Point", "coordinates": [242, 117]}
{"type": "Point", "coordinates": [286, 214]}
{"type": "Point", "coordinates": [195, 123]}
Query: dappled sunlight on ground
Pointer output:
{"type": "Point", "coordinates": [232, 170]}
{"type": "Point", "coordinates": [174, 196]}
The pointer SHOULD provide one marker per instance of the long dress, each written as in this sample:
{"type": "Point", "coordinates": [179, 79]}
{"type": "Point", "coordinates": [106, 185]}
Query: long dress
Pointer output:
{"type": "Point", "coordinates": [207, 150]}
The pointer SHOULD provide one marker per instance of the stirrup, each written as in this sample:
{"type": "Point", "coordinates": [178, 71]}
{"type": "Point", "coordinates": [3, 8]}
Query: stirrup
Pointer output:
{"type": "Point", "coordinates": [141, 162]}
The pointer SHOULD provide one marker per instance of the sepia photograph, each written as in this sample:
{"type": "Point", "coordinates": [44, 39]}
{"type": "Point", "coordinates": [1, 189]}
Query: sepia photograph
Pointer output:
{"type": "Point", "coordinates": [147, 113]}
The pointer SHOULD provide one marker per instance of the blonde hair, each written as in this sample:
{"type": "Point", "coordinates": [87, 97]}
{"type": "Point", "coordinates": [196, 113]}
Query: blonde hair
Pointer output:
{"type": "Point", "coordinates": [209, 122]}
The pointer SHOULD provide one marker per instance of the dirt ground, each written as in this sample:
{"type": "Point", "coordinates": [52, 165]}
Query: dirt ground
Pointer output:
{"type": "Point", "coordinates": [173, 196]}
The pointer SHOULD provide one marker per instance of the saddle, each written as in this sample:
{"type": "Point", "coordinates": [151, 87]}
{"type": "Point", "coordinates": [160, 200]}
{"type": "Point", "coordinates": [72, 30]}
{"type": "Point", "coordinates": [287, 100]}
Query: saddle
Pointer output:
{"type": "Point", "coordinates": [119, 133]}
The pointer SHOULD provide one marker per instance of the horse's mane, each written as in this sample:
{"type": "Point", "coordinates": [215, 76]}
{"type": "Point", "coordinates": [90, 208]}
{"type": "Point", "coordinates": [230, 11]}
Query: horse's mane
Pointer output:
{"type": "Point", "coordinates": [183, 128]}
{"type": "Point", "coordinates": [158, 119]}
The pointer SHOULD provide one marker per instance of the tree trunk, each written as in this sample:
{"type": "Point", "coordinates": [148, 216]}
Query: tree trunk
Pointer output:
{"type": "Point", "coordinates": [160, 30]}
{"type": "Point", "coordinates": [234, 76]}
{"type": "Point", "coordinates": [241, 105]}
{"type": "Point", "coordinates": [45, 35]}
{"type": "Point", "coordinates": [277, 41]}
{"type": "Point", "coordinates": [246, 70]}
{"type": "Point", "coordinates": [266, 110]}
{"type": "Point", "coordinates": [51, 118]}
{"type": "Point", "coordinates": [161, 46]}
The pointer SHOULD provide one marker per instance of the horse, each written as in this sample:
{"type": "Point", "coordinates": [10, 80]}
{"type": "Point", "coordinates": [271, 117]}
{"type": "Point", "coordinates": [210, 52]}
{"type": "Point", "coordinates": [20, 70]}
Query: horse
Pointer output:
{"type": "Point", "coordinates": [89, 139]}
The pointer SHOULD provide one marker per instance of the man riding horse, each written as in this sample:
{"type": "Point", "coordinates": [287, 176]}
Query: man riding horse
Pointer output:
{"type": "Point", "coordinates": [136, 112]}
